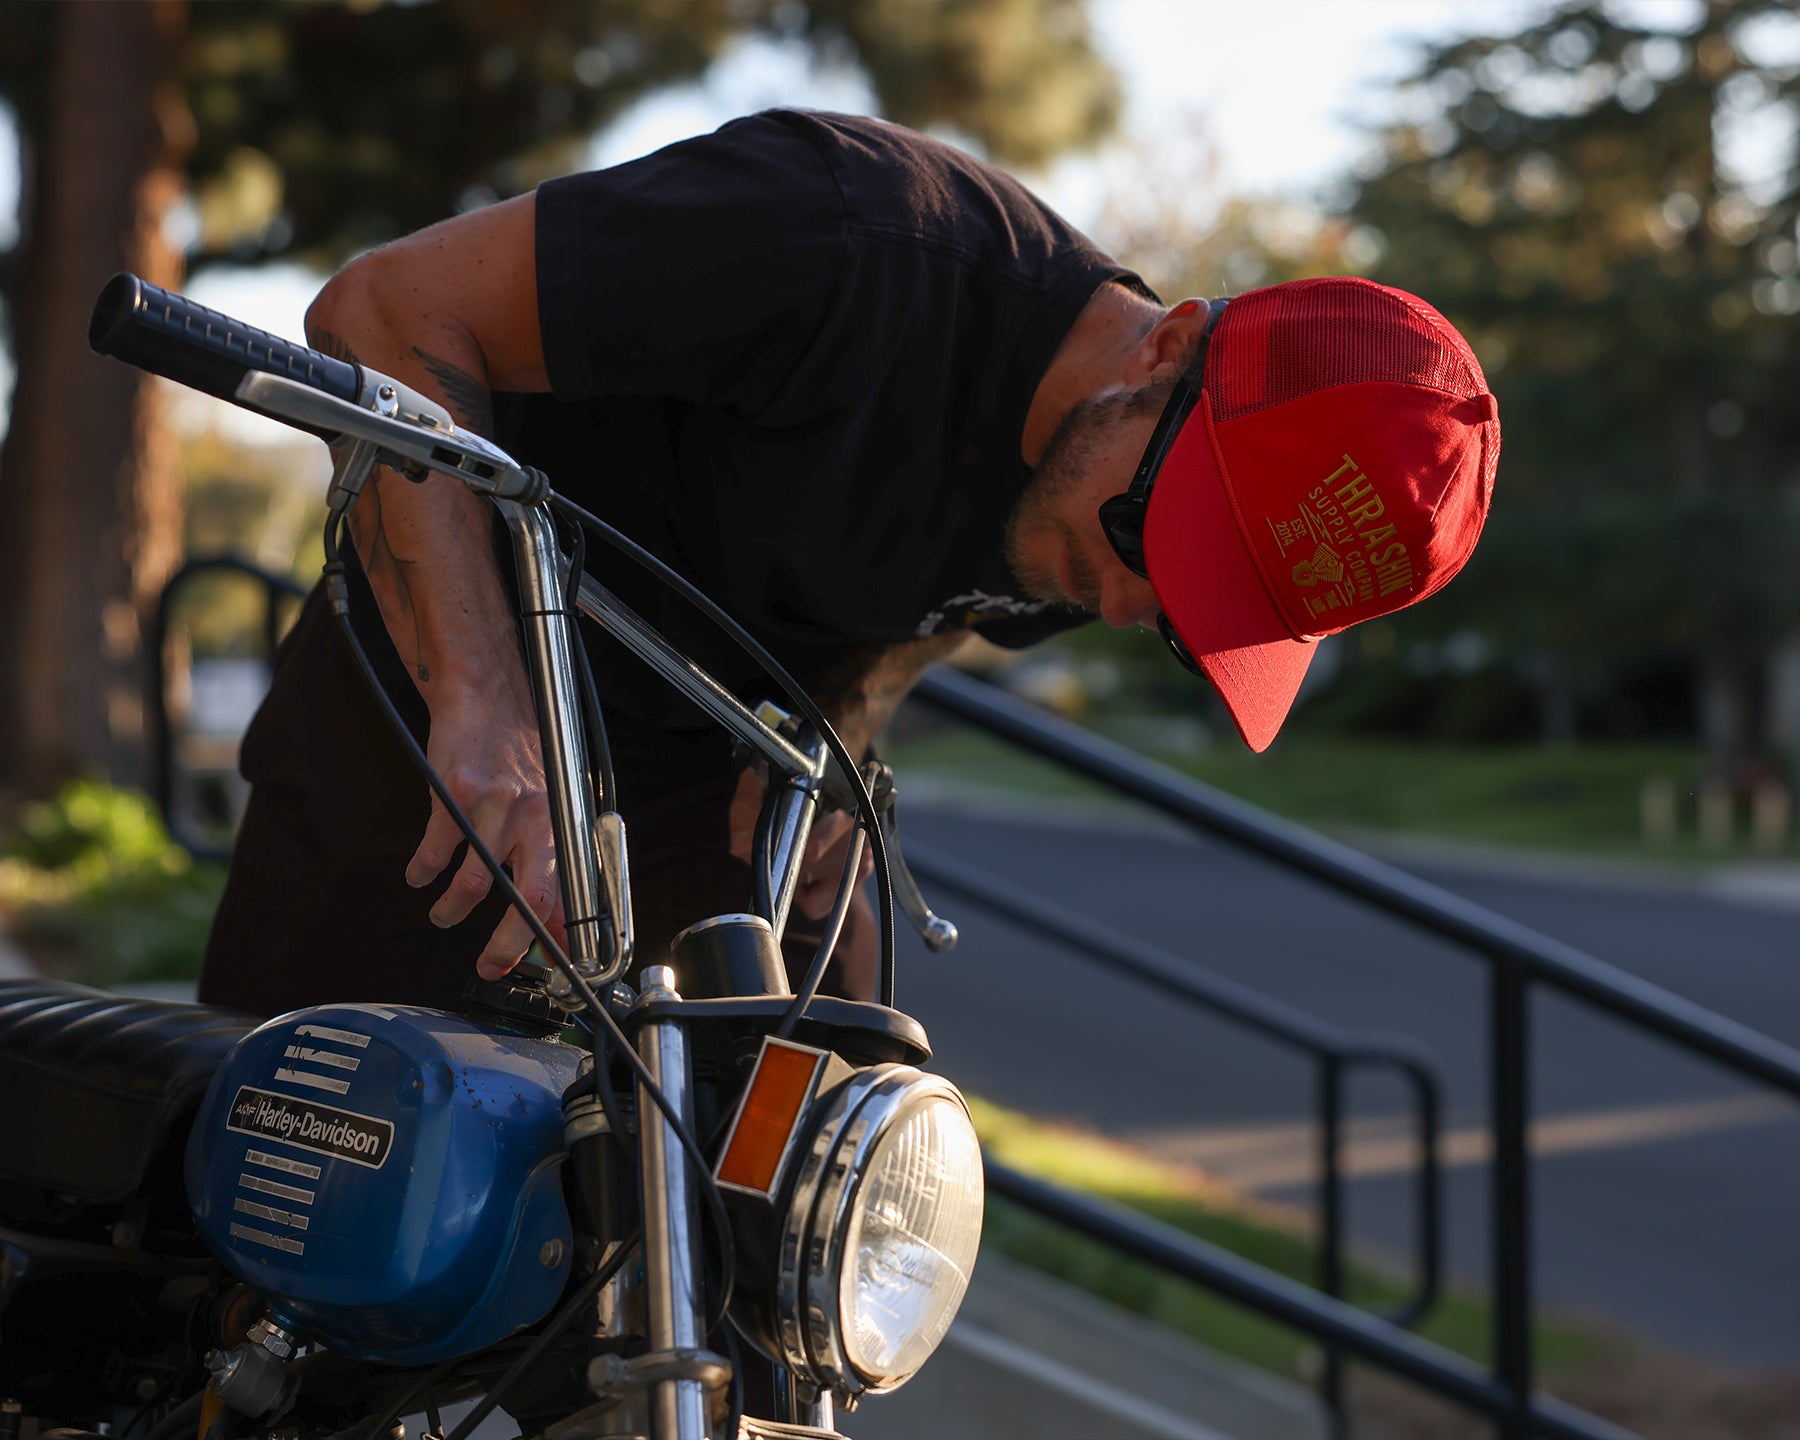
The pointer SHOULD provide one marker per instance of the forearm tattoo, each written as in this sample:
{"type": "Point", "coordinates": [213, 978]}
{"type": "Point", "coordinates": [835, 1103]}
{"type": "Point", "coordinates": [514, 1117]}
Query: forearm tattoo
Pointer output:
{"type": "Point", "coordinates": [334, 345]}
{"type": "Point", "coordinates": [468, 394]}
{"type": "Point", "coordinates": [368, 526]}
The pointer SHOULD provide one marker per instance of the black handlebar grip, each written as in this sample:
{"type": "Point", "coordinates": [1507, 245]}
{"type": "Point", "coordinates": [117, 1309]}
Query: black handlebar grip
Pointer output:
{"type": "Point", "coordinates": [169, 335]}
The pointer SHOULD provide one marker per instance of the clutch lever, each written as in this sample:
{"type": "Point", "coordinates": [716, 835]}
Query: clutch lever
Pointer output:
{"type": "Point", "coordinates": [938, 933]}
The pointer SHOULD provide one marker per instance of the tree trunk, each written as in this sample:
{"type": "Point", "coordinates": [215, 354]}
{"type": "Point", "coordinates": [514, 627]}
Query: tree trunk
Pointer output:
{"type": "Point", "coordinates": [89, 480]}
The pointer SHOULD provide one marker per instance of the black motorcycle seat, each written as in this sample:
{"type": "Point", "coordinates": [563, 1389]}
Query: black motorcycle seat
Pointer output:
{"type": "Point", "coordinates": [92, 1084]}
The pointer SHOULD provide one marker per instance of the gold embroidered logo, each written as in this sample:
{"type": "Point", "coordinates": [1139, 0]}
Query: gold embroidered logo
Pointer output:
{"type": "Point", "coordinates": [1324, 565]}
{"type": "Point", "coordinates": [1349, 552]}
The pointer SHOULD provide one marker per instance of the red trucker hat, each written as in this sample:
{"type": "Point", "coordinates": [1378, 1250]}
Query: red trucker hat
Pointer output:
{"type": "Point", "coordinates": [1337, 466]}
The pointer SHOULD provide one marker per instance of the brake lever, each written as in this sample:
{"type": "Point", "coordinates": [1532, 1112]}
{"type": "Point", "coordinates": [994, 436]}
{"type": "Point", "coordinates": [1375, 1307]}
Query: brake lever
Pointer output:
{"type": "Point", "coordinates": [938, 933]}
{"type": "Point", "coordinates": [412, 440]}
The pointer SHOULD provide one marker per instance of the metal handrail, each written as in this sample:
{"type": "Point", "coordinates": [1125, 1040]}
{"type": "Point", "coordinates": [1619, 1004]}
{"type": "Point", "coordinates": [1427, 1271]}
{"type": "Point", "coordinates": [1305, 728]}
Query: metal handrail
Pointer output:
{"type": "Point", "coordinates": [1334, 1048]}
{"type": "Point", "coordinates": [1518, 958]}
{"type": "Point", "coordinates": [1428, 907]}
{"type": "Point", "coordinates": [1341, 1326]}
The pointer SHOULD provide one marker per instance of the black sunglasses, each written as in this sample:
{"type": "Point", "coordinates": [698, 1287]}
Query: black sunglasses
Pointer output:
{"type": "Point", "coordinates": [1122, 517]}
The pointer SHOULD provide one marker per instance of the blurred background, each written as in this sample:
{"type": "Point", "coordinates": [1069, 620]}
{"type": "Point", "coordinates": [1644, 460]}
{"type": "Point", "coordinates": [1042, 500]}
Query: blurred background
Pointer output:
{"type": "Point", "coordinates": [1602, 196]}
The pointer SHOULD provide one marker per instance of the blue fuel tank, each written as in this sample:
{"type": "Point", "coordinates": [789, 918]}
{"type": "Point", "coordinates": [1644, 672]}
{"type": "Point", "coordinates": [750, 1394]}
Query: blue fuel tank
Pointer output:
{"type": "Point", "coordinates": [388, 1177]}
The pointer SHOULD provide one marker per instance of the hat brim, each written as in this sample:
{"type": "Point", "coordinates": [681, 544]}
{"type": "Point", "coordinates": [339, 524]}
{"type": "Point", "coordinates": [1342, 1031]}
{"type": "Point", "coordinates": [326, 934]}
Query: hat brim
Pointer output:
{"type": "Point", "coordinates": [1209, 587]}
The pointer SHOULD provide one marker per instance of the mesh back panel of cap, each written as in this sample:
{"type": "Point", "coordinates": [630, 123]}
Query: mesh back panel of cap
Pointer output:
{"type": "Point", "coordinates": [1285, 341]}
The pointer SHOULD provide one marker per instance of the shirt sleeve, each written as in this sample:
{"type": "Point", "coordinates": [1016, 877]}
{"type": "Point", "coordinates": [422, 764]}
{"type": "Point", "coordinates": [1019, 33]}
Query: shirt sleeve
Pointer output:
{"type": "Point", "coordinates": [701, 272]}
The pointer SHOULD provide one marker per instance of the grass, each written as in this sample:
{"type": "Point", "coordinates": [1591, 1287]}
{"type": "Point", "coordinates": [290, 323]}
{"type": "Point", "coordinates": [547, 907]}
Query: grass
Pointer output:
{"type": "Point", "coordinates": [1267, 1235]}
{"type": "Point", "coordinates": [96, 891]}
{"type": "Point", "coordinates": [1578, 798]}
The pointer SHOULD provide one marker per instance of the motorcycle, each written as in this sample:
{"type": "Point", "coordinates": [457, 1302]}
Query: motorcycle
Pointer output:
{"type": "Point", "coordinates": [623, 1200]}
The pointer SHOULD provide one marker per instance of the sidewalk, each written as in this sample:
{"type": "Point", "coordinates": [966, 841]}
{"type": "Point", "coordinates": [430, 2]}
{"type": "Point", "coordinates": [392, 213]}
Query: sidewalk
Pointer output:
{"type": "Point", "coordinates": [1030, 1358]}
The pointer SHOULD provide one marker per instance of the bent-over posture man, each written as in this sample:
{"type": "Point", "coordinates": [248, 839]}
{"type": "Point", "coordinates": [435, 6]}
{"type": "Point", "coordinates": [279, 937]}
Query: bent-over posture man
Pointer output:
{"type": "Point", "coordinates": [869, 394]}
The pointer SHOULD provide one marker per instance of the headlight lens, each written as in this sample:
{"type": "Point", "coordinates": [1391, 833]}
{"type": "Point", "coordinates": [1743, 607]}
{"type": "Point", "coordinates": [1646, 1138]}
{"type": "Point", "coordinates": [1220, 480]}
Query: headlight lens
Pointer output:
{"type": "Point", "coordinates": [915, 1225]}
{"type": "Point", "coordinates": [882, 1225]}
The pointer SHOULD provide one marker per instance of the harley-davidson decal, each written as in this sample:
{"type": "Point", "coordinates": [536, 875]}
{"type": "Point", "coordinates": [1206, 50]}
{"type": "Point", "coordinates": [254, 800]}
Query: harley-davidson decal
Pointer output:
{"type": "Point", "coordinates": [322, 1129]}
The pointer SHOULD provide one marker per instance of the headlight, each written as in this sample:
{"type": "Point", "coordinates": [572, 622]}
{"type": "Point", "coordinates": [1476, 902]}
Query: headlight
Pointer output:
{"type": "Point", "coordinates": [881, 1231]}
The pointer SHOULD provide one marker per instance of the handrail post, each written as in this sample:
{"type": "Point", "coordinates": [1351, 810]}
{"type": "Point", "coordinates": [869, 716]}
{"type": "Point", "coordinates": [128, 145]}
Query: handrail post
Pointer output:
{"type": "Point", "coordinates": [1331, 1224]}
{"type": "Point", "coordinates": [1510, 1180]}
{"type": "Point", "coordinates": [1430, 1199]}
{"type": "Point", "coordinates": [159, 738]}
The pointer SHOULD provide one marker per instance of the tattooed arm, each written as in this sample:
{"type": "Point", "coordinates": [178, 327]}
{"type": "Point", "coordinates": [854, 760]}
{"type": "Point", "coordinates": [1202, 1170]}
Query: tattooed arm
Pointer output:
{"type": "Point", "coordinates": [863, 694]}
{"type": "Point", "coordinates": [452, 312]}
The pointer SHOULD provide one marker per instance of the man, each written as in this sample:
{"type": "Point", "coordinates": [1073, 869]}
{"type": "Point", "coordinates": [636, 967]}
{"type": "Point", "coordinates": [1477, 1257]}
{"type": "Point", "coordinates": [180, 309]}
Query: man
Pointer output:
{"type": "Point", "coordinates": [871, 395]}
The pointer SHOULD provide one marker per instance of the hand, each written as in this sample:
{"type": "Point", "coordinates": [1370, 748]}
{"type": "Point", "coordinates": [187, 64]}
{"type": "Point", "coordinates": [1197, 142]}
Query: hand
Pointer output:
{"type": "Point", "coordinates": [489, 758]}
{"type": "Point", "coordinates": [826, 848]}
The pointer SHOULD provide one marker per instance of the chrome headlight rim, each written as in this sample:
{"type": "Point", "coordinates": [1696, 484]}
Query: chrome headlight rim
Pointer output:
{"type": "Point", "coordinates": [802, 1200]}
{"type": "Point", "coordinates": [812, 1250]}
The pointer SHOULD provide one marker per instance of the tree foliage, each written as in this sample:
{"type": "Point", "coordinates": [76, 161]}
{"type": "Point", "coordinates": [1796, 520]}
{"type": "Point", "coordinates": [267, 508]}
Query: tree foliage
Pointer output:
{"type": "Point", "coordinates": [322, 127]}
{"type": "Point", "coordinates": [1566, 196]}
{"type": "Point", "coordinates": [1171, 216]}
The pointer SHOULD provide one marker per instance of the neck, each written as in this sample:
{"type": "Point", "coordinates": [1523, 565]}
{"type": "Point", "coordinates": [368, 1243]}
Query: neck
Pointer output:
{"type": "Point", "coordinates": [1090, 359]}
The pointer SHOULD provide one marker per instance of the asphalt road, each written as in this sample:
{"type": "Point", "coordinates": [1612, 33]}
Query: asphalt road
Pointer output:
{"type": "Point", "coordinates": [1666, 1192]}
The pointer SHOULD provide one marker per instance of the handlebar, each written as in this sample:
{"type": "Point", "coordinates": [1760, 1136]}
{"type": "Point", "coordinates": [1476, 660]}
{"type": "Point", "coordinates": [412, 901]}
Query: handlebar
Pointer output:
{"type": "Point", "coordinates": [169, 335]}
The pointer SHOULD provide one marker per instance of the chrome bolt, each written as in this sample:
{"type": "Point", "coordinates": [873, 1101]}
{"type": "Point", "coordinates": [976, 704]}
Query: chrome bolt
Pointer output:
{"type": "Point", "coordinates": [551, 1255]}
{"type": "Point", "coordinates": [273, 1338]}
{"type": "Point", "coordinates": [659, 984]}
{"type": "Point", "coordinates": [606, 1373]}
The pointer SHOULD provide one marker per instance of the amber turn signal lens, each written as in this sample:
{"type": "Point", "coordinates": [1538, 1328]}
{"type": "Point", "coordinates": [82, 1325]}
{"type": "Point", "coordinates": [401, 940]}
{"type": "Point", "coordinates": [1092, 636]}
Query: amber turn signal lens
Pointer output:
{"type": "Point", "coordinates": [771, 1109]}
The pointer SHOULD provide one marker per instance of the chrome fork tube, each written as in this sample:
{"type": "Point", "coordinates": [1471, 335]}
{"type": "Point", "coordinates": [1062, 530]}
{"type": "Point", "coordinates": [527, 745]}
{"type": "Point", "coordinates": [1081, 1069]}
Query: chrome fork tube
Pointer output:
{"type": "Point", "coordinates": [550, 655]}
{"type": "Point", "coordinates": [798, 1403]}
{"type": "Point", "coordinates": [674, 1300]}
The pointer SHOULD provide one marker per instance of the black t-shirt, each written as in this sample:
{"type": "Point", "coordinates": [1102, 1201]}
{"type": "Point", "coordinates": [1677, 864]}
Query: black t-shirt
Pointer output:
{"type": "Point", "coordinates": [794, 358]}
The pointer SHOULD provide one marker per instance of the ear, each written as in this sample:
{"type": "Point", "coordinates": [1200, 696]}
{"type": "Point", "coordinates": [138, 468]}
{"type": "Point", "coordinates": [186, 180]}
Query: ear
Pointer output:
{"type": "Point", "coordinates": [1162, 352]}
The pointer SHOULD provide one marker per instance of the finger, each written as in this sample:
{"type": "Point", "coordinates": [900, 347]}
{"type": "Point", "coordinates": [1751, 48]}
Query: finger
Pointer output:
{"type": "Point", "coordinates": [815, 898]}
{"type": "Point", "coordinates": [512, 937]}
{"type": "Point", "coordinates": [746, 806]}
{"type": "Point", "coordinates": [467, 889]}
{"type": "Point", "coordinates": [539, 888]}
{"type": "Point", "coordinates": [857, 959]}
{"type": "Point", "coordinates": [436, 849]}
{"type": "Point", "coordinates": [828, 838]}
{"type": "Point", "coordinates": [821, 880]}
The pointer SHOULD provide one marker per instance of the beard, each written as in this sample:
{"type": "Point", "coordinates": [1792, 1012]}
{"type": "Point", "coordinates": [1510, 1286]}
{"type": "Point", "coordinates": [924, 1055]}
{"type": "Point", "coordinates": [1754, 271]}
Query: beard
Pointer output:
{"type": "Point", "coordinates": [1069, 461]}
